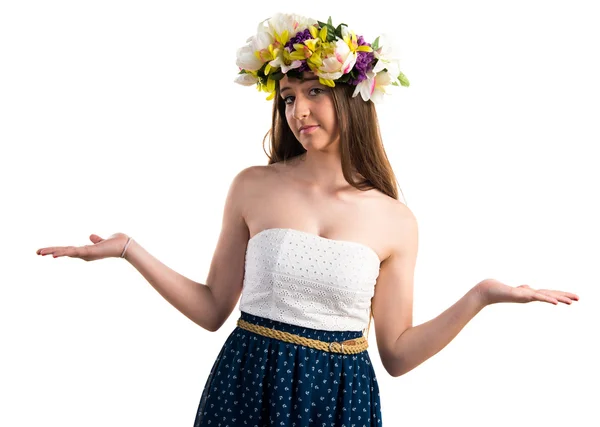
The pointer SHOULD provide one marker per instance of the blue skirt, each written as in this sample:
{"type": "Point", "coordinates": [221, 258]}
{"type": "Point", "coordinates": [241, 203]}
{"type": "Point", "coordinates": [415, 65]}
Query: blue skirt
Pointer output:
{"type": "Point", "coordinates": [258, 381]}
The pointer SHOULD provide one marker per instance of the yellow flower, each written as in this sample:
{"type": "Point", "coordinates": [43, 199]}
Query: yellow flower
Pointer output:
{"type": "Point", "coordinates": [352, 42]}
{"type": "Point", "coordinates": [268, 87]}
{"type": "Point", "coordinates": [285, 60]}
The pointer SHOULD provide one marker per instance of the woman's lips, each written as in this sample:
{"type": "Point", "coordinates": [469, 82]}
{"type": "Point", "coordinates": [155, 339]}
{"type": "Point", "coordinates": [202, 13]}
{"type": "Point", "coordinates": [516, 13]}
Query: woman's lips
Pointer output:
{"type": "Point", "coordinates": [308, 129]}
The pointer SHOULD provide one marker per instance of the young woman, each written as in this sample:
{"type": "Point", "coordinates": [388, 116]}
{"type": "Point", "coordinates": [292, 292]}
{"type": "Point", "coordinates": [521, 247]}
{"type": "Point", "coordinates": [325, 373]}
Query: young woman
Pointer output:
{"type": "Point", "coordinates": [315, 243]}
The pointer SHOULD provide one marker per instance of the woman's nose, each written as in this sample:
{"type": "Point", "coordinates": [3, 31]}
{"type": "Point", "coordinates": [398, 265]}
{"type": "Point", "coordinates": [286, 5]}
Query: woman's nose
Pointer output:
{"type": "Point", "coordinates": [301, 109]}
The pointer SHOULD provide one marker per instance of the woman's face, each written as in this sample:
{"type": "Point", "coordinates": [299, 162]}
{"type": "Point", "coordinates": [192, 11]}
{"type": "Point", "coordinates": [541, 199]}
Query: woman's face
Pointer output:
{"type": "Point", "coordinates": [310, 112]}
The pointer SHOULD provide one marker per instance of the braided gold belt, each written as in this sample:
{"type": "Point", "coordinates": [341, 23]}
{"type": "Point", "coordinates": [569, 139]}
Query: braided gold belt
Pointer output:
{"type": "Point", "coordinates": [352, 346]}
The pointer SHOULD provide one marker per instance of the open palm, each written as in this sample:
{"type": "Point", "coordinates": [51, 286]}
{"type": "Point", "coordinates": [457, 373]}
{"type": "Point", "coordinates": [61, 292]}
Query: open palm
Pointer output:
{"type": "Point", "coordinates": [101, 248]}
{"type": "Point", "coordinates": [494, 291]}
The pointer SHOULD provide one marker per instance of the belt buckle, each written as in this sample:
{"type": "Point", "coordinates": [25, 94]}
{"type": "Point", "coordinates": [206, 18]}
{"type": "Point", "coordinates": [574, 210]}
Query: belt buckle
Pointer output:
{"type": "Point", "coordinates": [335, 342]}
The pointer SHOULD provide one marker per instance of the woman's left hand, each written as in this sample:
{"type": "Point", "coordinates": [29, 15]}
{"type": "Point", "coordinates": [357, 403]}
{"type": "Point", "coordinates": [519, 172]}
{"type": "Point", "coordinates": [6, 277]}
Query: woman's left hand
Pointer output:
{"type": "Point", "coordinates": [493, 291]}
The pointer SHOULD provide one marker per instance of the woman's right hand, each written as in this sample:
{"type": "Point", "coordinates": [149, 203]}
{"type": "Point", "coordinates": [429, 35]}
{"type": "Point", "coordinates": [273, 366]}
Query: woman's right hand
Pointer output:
{"type": "Point", "coordinates": [102, 248]}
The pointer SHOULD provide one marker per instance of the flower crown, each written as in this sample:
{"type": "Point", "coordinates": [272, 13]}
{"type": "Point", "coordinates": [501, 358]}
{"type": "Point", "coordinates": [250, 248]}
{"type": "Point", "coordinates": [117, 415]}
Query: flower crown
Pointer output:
{"type": "Point", "coordinates": [291, 44]}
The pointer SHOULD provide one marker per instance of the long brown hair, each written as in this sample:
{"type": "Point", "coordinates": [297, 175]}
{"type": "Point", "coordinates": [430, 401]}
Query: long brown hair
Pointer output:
{"type": "Point", "coordinates": [360, 139]}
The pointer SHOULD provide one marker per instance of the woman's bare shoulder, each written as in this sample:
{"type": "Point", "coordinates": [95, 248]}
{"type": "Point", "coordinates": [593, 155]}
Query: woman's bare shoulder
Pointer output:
{"type": "Point", "coordinates": [253, 173]}
{"type": "Point", "coordinates": [397, 214]}
{"type": "Point", "coordinates": [252, 180]}
{"type": "Point", "coordinates": [271, 174]}
{"type": "Point", "coordinates": [394, 219]}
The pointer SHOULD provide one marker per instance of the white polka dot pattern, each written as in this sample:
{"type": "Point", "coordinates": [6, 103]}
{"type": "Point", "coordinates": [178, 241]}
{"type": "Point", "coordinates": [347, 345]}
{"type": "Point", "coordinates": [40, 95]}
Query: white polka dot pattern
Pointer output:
{"type": "Point", "coordinates": [307, 280]}
{"type": "Point", "coordinates": [258, 381]}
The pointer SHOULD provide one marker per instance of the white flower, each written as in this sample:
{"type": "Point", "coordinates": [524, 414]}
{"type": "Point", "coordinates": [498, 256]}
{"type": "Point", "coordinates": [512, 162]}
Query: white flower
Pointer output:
{"type": "Point", "coordinates": [263, 39]}
{"type": "Point", "coordinates": [346, 32]}
{"type": "Point", "coordinates": [246, 58]}
{"type": "Point", "coordinates": [385, 46]}
{"type": "Point", "coordinates": [366, 87]}
{"type": "Point", "coordinates": [378, 81]}
{"type": "Point", "coordinates": [374, 86]}
{"type": "Point", "coordinates": [293, 23]}
{"type": "Point", "coordinates": [384, 55]}
{"type": "Point", "coordinates": [246, 79]}
{"type": "Point", "coordinates": [336, 65]}
{"type": "Point", "coordinates": [391, 65]}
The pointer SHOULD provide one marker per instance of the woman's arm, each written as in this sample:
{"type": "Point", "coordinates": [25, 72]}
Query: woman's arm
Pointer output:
{"type": "Point", "coordinates": [207, 305]}
{"type": "Point", "coordinates": [210, 304]}
{"type": "Point", "coordinates": [193, 299]}
{"type": "Point", "coordinates": [418, 343]}
{"type": "Point", "coordinates": [401, 345]}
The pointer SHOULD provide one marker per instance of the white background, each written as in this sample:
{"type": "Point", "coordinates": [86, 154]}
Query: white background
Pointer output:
{"type": "Point", "coordinates": [123, 116]}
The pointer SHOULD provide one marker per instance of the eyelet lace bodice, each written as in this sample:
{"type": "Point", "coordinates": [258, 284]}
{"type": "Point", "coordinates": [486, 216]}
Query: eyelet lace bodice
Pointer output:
{"type": "Point", "coordinates": [307, 280]}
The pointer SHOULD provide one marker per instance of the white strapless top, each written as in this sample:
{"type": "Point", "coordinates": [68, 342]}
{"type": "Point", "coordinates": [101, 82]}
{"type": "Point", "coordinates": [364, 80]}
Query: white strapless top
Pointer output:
{"type": "Point", "coordinates": [307, 280]}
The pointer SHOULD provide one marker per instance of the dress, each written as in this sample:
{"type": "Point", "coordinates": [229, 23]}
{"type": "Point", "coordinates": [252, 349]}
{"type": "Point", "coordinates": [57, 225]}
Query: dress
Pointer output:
{"type": "Point", "coordinates": [310, 286]}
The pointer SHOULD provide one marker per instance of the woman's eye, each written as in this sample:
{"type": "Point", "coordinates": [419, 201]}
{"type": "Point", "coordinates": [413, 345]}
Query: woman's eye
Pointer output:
{"type": "Point", "coordinates": [314, 91]}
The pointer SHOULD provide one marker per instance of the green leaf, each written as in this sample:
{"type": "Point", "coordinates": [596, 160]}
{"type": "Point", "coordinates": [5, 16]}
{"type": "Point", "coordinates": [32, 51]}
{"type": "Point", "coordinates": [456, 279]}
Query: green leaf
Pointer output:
{"type": "Point", "coordinates": [277, 75]}
{"type": "Point", "coordinates": [403, 80]}
{"type": "Point", "coordinates": [329, 22]}
{"type": "Point", "coordinates": [338, 30]}
{"type": "Point", "coordinates": [375, 44]}
{"type": "Point", "coordinates": [331, 33]}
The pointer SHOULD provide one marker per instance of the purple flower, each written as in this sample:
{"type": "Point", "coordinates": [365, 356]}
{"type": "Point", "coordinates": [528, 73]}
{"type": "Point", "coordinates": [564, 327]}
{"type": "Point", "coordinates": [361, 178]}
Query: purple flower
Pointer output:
{"type": "Point", "coordinates": [300, 37]}
{"type": "Point", "coordinates": [364, 63]}
{"type": "Point", "coordinates": [303, 67]}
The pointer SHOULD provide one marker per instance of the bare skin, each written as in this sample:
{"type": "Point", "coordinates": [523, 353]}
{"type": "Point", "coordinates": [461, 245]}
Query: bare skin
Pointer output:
{"type": "Point", "coordinates": [310, 194]}
{"type": "Point", "coordinates": [293, 202]}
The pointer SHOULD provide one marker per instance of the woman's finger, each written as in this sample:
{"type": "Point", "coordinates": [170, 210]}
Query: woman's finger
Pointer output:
{"type": "Point", "coordinates": [572, 296]}
{"type": "Point", "coordinates": [77, 251]}
{"type": "Point", "coordinates": [545, 298]}
{"type": "Point", "coordinates": [564, 297]}
{"type": "Point", "coordinates": [559, 295]}
{"type": "Point", "coordinates": [48, 250]}
{"type": "Point", "coordinates": [61, 251]}
{"type": "Point", "coordinates": [58, 251]}
{"type": "Point", "coordinates": [534, 295]}
{"type": "Point", "coordinates": [567, 295]}
{"type": "Point", "coordinates": [560, 298]}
